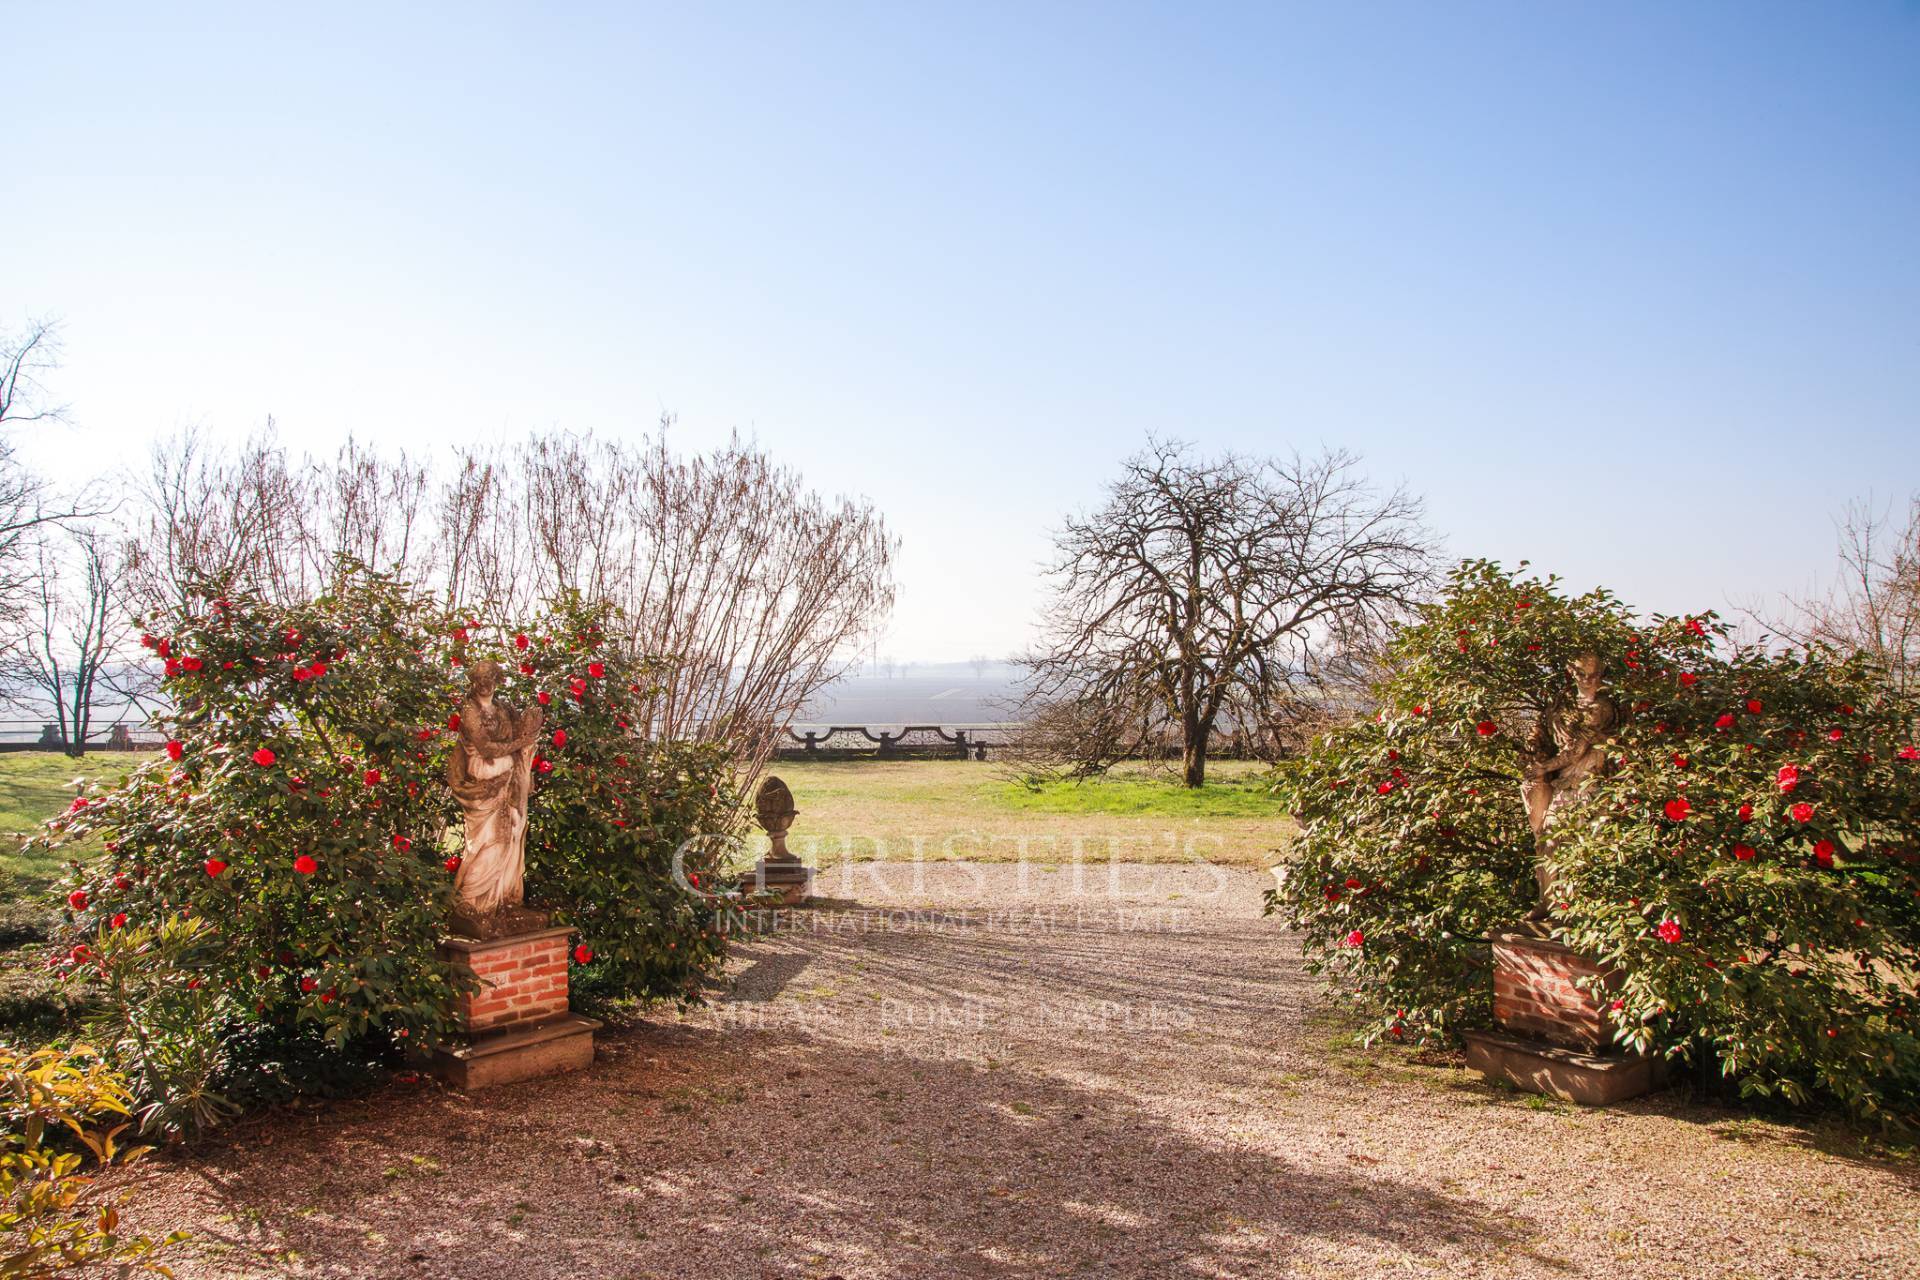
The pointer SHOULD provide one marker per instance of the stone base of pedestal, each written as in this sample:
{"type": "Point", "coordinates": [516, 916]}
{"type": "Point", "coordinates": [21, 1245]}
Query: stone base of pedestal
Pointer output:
{"type": "Point", "coordinates": [516, 1023]}
{"type": "Point", "coordinates": [518, 1053]}
{"type": "Point", "coordinates": [791, 881]}
{"type": "Point", "coordinates": [1553, 1036]}
{"type": "Point", "coordinates": [1569, 1074]}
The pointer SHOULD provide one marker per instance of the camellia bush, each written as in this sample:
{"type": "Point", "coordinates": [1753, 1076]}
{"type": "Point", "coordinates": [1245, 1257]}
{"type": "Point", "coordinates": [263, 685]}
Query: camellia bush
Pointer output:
{"type": "Point", "coordinates": [274, 887]}
{"type": "Point", "coordinates": [1748, 856]}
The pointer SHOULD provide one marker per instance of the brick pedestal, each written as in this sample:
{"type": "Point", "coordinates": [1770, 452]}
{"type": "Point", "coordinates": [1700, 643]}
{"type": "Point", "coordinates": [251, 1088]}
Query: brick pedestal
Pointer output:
{"type": "Point", "coordinates": [1554, 1038]}
{"type": "Point", "coordinates": [517, 1023]}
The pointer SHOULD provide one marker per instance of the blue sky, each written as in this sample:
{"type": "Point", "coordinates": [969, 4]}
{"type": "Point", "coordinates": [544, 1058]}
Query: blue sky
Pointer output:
{"type": "Point", "coordinates": [1631, 290]}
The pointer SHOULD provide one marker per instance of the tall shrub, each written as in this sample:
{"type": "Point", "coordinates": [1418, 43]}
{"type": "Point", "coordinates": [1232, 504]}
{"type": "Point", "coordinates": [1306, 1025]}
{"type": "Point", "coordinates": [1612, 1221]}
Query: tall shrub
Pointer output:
{"type": "Point", "coordinates": [1747, 854]}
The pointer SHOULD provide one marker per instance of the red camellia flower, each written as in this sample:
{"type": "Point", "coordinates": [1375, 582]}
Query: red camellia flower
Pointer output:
{"type": "Point", "coordinates": [1694, 628]}
{"type": "Point", "coordinates": [77, 899]}
{"type": "Point", "coordinates": [1834, 735]}
{"type": "Point", "coordinates": [1420, 710]}
{"type": "Point", "coordinates": [264, 757]}
{"type": "Point", "coordinates": [1802, 812]}
{"type": "Point", "coordinates": [453, 722]}
{"type": "Point", "coordinates": [402, 843]}
{"type": "Point", "coordinates": [1486, 728]}
{"type": "Point", "coordinates": [453, 863]}
{"type": "Point", "coordinates": [1688, 679]}
{"type": "Point", "coordinates": [1744, 852]}
{"type": "Point", "coordinates": [1670, 931]}
{"type": "Point", "coordinates": [1755, 706]}
{"type": "Point", "coordinates": [214, 867]}
{"type": "Point", "coordinates": [1823, 852]}
{"type": "Point", "coordinates": [1384, 788]}
{"type": "Point", "coordinates": [521, 642]}
{"type": "Point", "coordinates": [309, 983]}
{"type": "Point", "coordinates": [176, 749]}
{"type": "Point", "coordinates": [543, 698]}
{"type": "Point", "coordinates": [1725, 721]}
{"type": "Point", "coordinates": [371, 777]}
{"type": "Point", "coordinates": [598, 670]}
{"type": "Point", "coordinates": [559, 737]}
{"type": "Point", "coordinates": [543, 764]}
{"type": "Point", "coordinates": [1354, 939]}
{"type": "Point", "coordinates": [583, 954]}
{"type": "Point", "coordinates": [1910, 753]}
{"type": "Point", "coordinates": [1677, 810]}
{"type": "Point", "coordinates": [526, 668]}
{"type": "Point", "coordinates": [1679, 761]}
{"type": "Point", "coordinates": [191, 664]}
{"type": "Point", "coordinates": [119, 920]}
{"type": "Point", "coordinates": [1788, 777]}
{"type": "Point", "coordinates": [305, 865]}
{"type": "Point", "coordinates": [1746, 813]}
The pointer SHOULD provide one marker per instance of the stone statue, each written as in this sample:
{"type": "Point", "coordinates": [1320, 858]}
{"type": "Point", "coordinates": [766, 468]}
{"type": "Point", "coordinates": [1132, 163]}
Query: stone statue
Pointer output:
{"type": "Point", "coordinates": [491, 774]}
{"type": "Point", "coordinates": [1568, 749]}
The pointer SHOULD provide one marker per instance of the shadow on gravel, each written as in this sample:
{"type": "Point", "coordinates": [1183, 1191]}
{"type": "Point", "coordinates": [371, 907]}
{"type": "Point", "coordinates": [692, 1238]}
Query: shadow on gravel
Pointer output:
{"type": "Point", "coordinates": [692, 1151]}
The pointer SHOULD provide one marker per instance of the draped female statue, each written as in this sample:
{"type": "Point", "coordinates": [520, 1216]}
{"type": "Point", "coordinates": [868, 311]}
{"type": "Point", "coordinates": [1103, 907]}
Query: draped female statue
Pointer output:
{"type": "Point", "coordinates": [491, 773]}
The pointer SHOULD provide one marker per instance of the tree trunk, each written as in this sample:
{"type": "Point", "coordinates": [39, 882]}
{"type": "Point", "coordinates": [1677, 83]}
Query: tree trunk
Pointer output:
{"type": "Point", "coordinates": [1193, 755]}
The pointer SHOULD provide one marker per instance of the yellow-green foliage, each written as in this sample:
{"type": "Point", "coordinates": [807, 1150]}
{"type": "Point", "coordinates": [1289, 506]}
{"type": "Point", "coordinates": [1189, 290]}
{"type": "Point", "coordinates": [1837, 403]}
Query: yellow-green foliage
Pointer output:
{"type": "Point", "coordinates": [61, 1113]}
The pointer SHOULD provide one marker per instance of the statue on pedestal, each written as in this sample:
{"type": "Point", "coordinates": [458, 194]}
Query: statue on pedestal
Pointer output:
{"type": "Point", "coordinates": [491, 774]}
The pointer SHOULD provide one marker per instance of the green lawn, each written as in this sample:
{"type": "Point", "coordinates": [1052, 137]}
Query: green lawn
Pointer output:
{"type": "Point", "coordinates": [946, 809]}
{"type": "Point", "coordinates": [36, 785]}
{"type": "Point", "coordinates": [969, 810]}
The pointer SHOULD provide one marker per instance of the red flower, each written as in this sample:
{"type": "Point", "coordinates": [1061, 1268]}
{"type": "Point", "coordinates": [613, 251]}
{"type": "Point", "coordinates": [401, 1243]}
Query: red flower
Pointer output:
{"type": "Point", "coordinates": [1725, 721]}
{"type": "Point", "coordinates": [1823, 852]}
{"type": "Point", "coordinates": [1486, 728]}
{"type": "Point", "coordinates": [1694, 628]}
{"type": "Point", "coordinates": [1744, 852]}
{"type": "Point", "coordinates": [1353, 883]}
{"type": "Point", "coordinates": [1354, 939]}
{"type": "Point", "coordinates": [317, 670]}
{"type": "Point", "coordinates": [1755, 706]}
{"type": "Point", "coordinates": [77, 899]}
{"type": "Point", "coordinates": [176, 749]}
{"type": "Point", "coordinates": [559, 737]}
{"type": "Point", "coordinates": [1834, 735]}
{"type": "Point", "coordinates": [1384, 788]}
{"type": "Point", "coordinates": [402, 843]}
{"type": "Point", "coordinates": [264, 757]}
{"type": "Point", "coordinates": [521, 642]}
{"type": "Point", "coordinates": [164, 648]}
{"type": "Point", "coordinates": [543, 764]}
{"type": "Point", "coordinates": [371, 777]}
{"type": "Point", "coordinates": [1788, 777]}
{"type": "Point", "coordinates": [1420, 710]}
{"type": "Point", "coordinates": [214, 867]}
{"type": "Point", "coordinates": [305, 865]}
{"type": "Point", "coordinates": [190, 664]}
{"type": "Point", "coordinates": [453, 721]}
{"type": "Point", "coordinates": [309, 983]}
{"type": "Point", "coordinates": [1688, 679]}
{"type": "Point", "coordinates": [1802, 812]}
{"type": "Point", "coordinates": [1679, 761]}
{"type": "Point", "coordinates": [1746, 813]}
{"type": "Point", "coordinates": [453, 863]}
{"type": "Point", "coordinates": [119, 920]}
{"type": "Point", "coordinates": [1910, 753]}
{"type": "Point", "coordinates": [543, 697]}
{"type": "Point", "coordinates": [526, 668]}
{"type": "Point", "coordinates": [583, 954]}
{"type": "Point", "coordinates": [598, 670]}
{"type": "Point", "coordinates": [1677, 810]}
{"type": "Point", "coordinates": [1669, 931]}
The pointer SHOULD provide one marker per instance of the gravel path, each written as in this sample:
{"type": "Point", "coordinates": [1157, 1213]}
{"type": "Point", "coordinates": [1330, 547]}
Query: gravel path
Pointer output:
{"type": "Point", "coordinates": [964, 1072]}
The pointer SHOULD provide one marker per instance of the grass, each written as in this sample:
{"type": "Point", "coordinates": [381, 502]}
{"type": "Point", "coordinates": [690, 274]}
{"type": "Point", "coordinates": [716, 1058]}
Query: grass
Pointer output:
{"type": "Point", "coordinates": [964, 810]}
{"type": "Point", "coordinates": [36, 785]}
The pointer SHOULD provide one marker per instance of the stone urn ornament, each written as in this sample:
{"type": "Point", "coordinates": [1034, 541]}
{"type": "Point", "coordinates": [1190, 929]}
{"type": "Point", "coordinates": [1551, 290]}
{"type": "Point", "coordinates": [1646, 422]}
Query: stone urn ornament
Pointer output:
{"type": "Point", "coordinates": [780, 872]}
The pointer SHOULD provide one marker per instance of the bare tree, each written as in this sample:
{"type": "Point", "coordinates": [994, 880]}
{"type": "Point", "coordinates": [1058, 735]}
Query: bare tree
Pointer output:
{"type": "Point", "coordinates": [753, 589]}
{"type": "Point", "coordinates": [979, 662]}
{"type": "Point", "coordinates": [28, 506]}
{"type": "Point", "coordinates": [1873, 606]}
{"type": "Point", "coordinates": [74, 656]}
{"type": "Point", "coordinates": [1215, 592]}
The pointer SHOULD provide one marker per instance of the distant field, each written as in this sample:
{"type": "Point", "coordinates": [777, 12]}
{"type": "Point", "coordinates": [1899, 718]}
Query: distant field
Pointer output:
{"type": "Point", "coordinates": [944, 810]}
{"type": "Point", "coordinates": [34, 786]}
{"type": "Point", "coordinates": [968, 810]}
